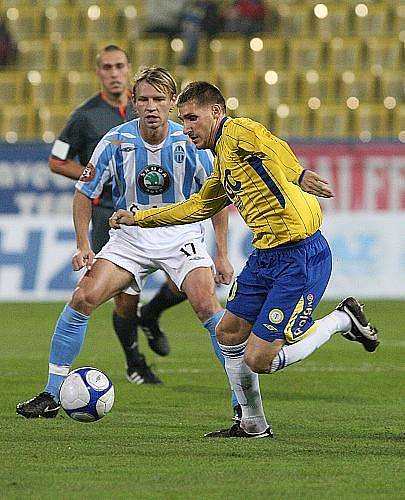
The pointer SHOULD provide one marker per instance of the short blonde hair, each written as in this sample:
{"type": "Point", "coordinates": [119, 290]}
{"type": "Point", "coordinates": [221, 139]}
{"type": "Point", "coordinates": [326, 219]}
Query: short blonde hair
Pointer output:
{"type": "Point", "coordinates": [159, 78]}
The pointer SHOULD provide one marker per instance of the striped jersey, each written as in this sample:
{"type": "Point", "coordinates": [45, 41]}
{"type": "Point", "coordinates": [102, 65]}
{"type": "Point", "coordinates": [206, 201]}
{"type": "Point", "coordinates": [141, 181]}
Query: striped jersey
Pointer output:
{"type": "Point", "coordinates": [260, 174]}
{"type": "Point", "coordinates": [143, 175]}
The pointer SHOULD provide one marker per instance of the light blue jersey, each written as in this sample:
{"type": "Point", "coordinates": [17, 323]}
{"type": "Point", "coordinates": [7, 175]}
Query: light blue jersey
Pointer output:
{"type": "Point", "coordinates": [145, 176]}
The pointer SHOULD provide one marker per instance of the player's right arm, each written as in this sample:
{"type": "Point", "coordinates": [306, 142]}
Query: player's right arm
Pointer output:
{"type": "Point", "coordinates": [203, 205]}
{"type": "Point", "coordinates": [66, 147]}
{"type": "Point", "coordinates": [82, 208]}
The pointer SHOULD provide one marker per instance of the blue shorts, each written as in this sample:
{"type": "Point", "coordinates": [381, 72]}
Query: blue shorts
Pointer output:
{"type": "Point", "coordinates": [279, 288]}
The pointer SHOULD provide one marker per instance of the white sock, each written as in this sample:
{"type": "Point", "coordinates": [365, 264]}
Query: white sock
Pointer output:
{"type": "Point", "coordinates": [245, 384]}
{"type": "Point", "coordinates": [323, 329]}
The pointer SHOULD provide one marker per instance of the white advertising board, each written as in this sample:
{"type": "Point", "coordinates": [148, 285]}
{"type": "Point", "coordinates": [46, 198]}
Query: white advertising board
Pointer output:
{"type": "Point", "coordinates": [368, 254]}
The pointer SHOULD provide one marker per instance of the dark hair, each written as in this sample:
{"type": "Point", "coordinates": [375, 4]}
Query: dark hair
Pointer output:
{"type": "Point", "coordinates": [202, 93]}
{"type": "Point", "coordinates": [110, 48]}
{"type": "Point", "coordinates": [159, 78]}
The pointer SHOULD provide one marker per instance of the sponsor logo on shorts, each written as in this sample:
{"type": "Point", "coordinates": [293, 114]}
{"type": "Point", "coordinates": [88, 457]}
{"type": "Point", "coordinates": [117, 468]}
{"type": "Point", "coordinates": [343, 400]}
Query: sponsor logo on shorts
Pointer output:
{"type": "Point", "coordinates": [276, 316]}
{"type": "Point", "coordinates": [179, 154]}
{"type": "Point", "coordinates": [88, 173]}
{"type": "Point", "coordinates": [232, 291]}
{"type": "Point", "coordinates": [154, 180]}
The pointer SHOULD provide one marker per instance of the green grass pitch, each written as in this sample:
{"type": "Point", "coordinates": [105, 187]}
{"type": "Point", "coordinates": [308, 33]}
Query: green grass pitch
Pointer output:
{"type": "Point", "coordinates": [338, 418]}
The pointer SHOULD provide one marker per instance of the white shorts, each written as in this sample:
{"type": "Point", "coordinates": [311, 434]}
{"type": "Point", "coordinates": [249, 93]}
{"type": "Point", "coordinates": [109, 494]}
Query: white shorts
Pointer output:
{"type": "Point", "coordinates": [144, 251]}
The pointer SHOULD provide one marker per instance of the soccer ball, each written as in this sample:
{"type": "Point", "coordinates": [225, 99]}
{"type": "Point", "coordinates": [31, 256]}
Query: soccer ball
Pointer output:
{"type": "Point", "coordinates": [87, 394]}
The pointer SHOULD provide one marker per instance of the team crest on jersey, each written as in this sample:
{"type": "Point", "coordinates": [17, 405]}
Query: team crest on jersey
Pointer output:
{"type": "Point", "coordinates": [179, 154]}
{"type": "Point", "coordinates": [88, 173]}
{"type": "Point", "coordinates": [154, 180]}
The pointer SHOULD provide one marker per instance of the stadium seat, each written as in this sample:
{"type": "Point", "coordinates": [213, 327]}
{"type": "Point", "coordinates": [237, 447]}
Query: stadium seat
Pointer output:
{"type": "Point", "coordinates": [101, 23]}
{"type": "Point", "coordinates": [80, 86]}
{"type": "Point", "coordinates": [73, 55]}
{"type": "Point", "coordinates": [17, 123]}
{"type": "Point", "coordinates": [331, 121]}
{"type": "Point", "coordinates": [371, 119]}
{"type": "Point", "coordinates": [244, 85]}
{"type": "Point", "coordinates": [295, 20]}
{"type": "Point", "coordinates": [12, 87]}
{"type": "Point", "coordinates": [151, 51]}
{"type": "Point", "coordinates": [24, 22]}
{"type": "Point", "coordinates": [375, 23]}
{"type": "Point", "coordinates": [184, 75]}
{"type": "Point", "coordinates": [398, 13]}
{"type": "Point", "coordinates": [62, 19]}
{"type": "Point", "coordinates": [279, 87]}
{"type": "Point", "coordinates": [228, 53]}
{"type": "Point", "coordinates": [316, 84]}
{"type": "Point", "coordinates": [258, 112]}
{"type": "Point", "coordinates": [345, 53]}
{"type": "Point", "coordinates": [131, 19]}
{"type": "Point", "coordinates": [35, 54]}
{"type": "Point", "coordinates": [305, 53]}
{"type": "Point", "coordinates": [44, 88]}
{"type": "Point", "coordinates": [362, 85]}
{"type": "Point", "coordinates": [291, 121]}
{"type": "Point", "coordinates": [336, 23]}
{"type": "Point", "coordinates": [393, 84]}
{"type": "Point", "coordinates": [385, 52]}
{"type": "Point", "coordinates": [399, 122]}
{"type": "Point", "coordinates": [52, 119]}
{"type": "Point", "coordinates": [271, 57]}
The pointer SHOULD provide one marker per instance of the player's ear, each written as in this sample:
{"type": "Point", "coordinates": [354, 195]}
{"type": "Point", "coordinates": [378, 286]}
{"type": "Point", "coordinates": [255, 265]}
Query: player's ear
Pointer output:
{"type": "Point", "coordinates": [216, 110]}
{"type": "Point", "coordinates": [173, 102]}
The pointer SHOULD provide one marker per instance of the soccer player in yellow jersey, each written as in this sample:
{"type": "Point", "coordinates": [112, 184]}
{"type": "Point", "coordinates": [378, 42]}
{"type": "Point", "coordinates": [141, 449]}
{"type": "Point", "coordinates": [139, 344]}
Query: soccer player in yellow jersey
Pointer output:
{"type": "Point", "coordinates": [268, 321]}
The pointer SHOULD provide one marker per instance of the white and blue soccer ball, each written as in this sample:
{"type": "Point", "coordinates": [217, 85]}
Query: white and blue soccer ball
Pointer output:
{"type": "Point", "coordinates": [87, 394]}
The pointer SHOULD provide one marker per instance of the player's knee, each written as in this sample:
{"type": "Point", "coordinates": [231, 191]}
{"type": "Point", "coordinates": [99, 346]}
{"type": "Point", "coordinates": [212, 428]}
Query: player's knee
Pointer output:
{"type": "Point", "coordinates": [126, 305]}
{"type": "Point", "coordinates": [257, 362]}
{"type": "Point", "coordinates": [84, 301]}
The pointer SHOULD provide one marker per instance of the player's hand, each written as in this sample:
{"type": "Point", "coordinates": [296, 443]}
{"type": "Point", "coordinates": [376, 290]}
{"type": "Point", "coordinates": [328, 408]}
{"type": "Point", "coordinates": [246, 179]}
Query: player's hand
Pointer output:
{"type": "Point", "coordinates": [223, 271]}
{"type": "Point", "coordinates": [123, 217]}
{"type": "Point", "coordinates": [83, 258]}
{"type": "Point", "coordinates": [312, 183]}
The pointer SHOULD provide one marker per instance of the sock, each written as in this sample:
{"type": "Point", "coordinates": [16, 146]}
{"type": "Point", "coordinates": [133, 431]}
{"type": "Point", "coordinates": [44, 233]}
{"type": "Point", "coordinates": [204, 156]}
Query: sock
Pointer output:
{"type": "Point", "coordinates": [164, 299]}
{"type": "Point", "coordinates": [323, 329]}
{"type": "Point", "coordinates": [66, 343]}
{"type": "Point", "coordinates": [127, 333]}
{"type": "Point", "coordinates": [245, 383]}
{"type": "Point", "coordinates": [211, 325]}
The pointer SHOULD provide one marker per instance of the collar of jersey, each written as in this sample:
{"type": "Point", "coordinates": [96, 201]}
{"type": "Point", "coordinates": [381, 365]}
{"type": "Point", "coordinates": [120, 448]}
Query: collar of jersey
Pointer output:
{"type": "Point", "coordinates": [219, 132]}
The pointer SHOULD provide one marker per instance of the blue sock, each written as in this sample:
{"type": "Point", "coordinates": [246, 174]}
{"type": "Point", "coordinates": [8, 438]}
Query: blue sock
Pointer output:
{"type": "Point", "coordinates": [66, 343]}
{"type": "Point", "coordinates": [210, 325]}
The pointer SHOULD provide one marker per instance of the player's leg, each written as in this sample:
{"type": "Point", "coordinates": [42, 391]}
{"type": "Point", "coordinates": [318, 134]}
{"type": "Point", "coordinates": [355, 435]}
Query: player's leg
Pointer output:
{"type": "Point", "coordinates": [100, 283]}
{"type": "Point", "coordinates": [125, 326]}
{"type": "Point", "coordinates": [287, 311]}
{"type": "Point", "coordinates": [199, 286]}
{"type": "Point", "coordinates": [167, 297]}
{"type": "Point", "coordinates": [233, 335]}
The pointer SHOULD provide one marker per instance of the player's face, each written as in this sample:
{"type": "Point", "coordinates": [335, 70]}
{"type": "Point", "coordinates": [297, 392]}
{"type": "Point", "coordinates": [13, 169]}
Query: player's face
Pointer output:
{"type": "Point", "coordinates": [114, 70]}
{"type": "Point", "coordinates": [200, 123]}
{"type": "Point", "coordinates": [152, 105]}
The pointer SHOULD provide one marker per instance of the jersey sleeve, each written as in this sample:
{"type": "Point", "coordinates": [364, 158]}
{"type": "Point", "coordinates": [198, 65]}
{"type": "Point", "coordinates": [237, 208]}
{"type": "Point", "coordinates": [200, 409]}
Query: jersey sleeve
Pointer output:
{"type": "Point", "coordinates": [98, 171]}
{"type": "Point", "coordinates": [204, 166]}
{"type": "Point", "coordinates": [70, 141]}
{"type": "Point", "coordinates": [200, 206]}
{"type": "Point", "coordinates": [257, 139]}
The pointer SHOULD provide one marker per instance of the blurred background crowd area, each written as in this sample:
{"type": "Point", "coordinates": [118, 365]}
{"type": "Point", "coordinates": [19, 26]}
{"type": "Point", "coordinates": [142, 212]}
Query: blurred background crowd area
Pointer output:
{"type": "Point", "coordinates": [308, 70]}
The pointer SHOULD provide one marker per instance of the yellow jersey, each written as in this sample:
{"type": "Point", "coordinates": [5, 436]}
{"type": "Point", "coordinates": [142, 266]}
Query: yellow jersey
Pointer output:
{"type": "Point", "coordinates": [259, 174]}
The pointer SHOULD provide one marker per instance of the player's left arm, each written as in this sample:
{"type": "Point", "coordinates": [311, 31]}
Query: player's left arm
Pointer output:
{"type": "Point", "coordinates": [258, 140]}
{"type": "Point", "coordinates": [223, 267]}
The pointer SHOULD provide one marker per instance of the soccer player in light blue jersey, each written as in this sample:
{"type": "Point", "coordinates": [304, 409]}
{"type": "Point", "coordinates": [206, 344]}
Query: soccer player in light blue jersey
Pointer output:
{"type": "Point", "coordinates": [151, 163]}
